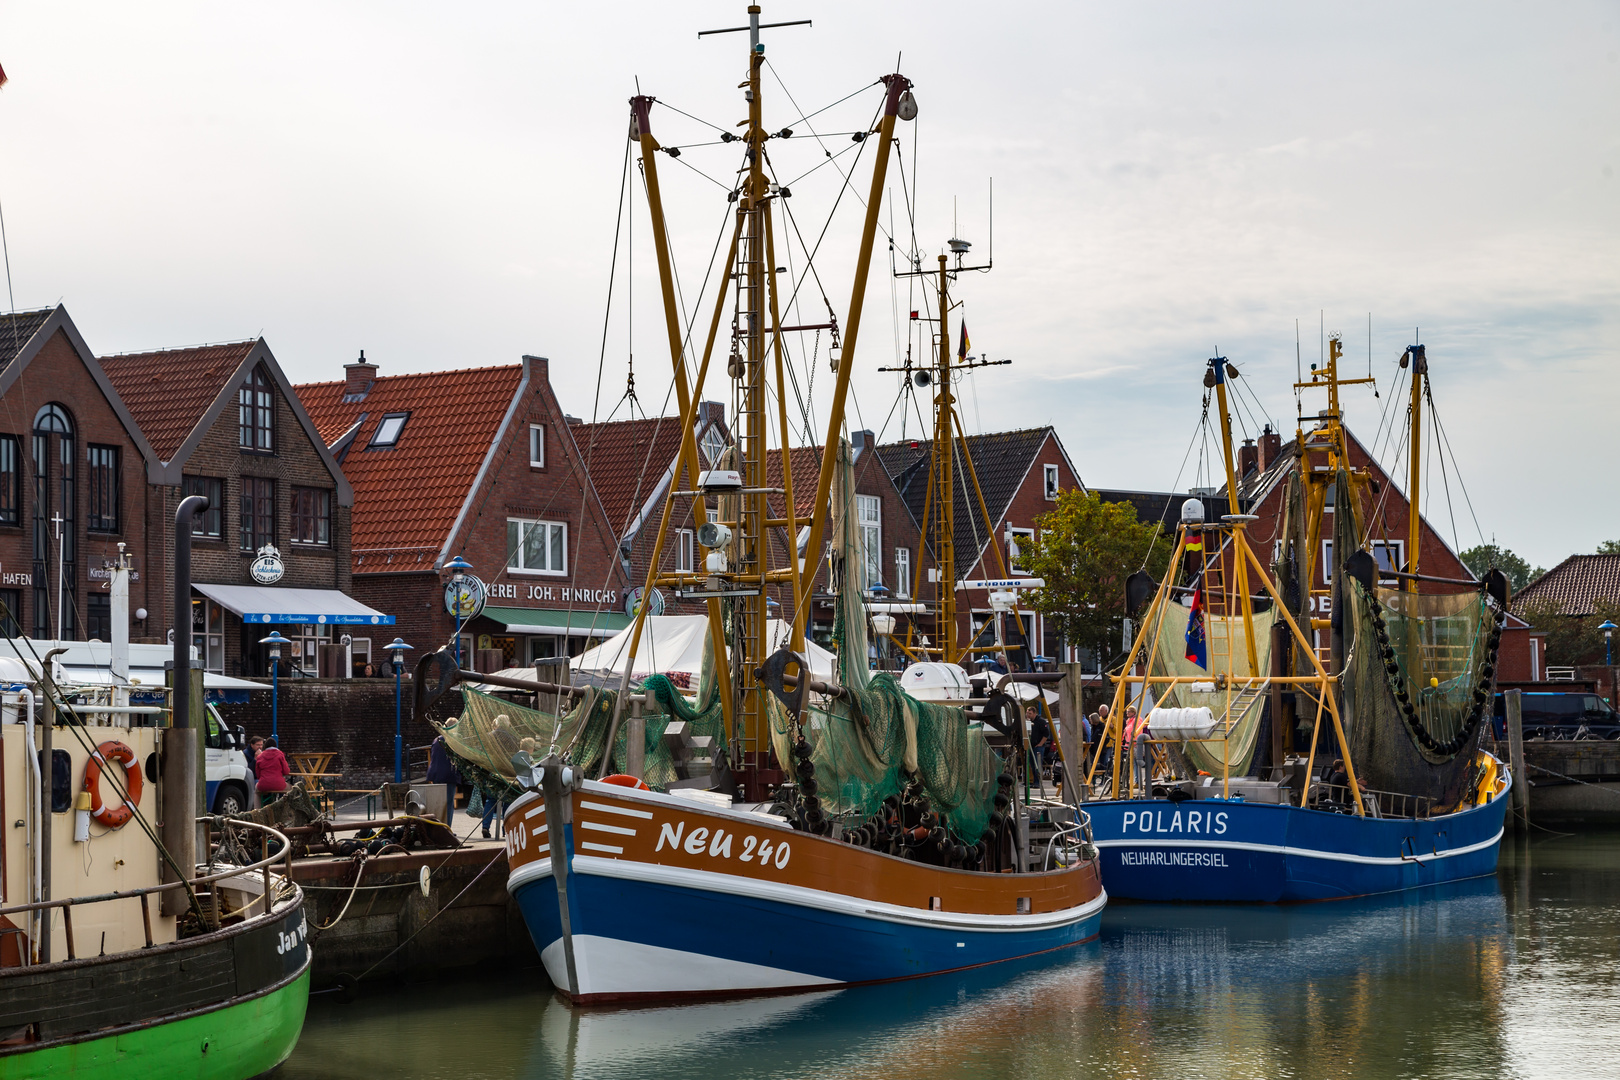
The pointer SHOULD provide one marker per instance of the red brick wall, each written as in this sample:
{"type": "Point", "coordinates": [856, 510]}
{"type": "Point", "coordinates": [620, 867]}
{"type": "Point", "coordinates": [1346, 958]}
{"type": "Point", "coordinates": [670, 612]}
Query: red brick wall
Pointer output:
{"type": "Point", "coordinates": [57, 373]}
{"type": "Point", "coordinates": [512, 488]}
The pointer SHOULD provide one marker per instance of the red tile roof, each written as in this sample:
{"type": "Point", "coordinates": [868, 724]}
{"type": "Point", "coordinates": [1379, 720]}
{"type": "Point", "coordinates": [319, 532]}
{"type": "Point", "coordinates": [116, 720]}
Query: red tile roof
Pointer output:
{"type": "Point", "coordinates": [406, 497]}
{"type": "Point", "coordinates": [626, 459]}
{"type": "Point", "coordinates": [1575, 585]}
{"type": "Point", "coordinates": [168, 391]}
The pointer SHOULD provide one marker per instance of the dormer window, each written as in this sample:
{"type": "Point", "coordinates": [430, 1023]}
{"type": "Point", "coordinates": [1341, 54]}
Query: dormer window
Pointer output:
{"type": "Point", "coordinates": [388, 431]}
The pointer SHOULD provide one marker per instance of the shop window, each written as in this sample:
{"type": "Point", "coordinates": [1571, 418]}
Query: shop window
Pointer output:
{"type": "Point", "coordinates": [208, 633]}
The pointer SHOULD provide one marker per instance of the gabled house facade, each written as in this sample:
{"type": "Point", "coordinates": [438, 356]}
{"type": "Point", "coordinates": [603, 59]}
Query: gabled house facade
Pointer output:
{"type": "Point", "coordinates": [272, 551]}
{"type": "Point", "coordinates": [479, 463]}
{"type": "Point", "coordinates": [1262, 491]}
{"type": "Point", "coordinates": [1020, 475]}
{"type": "Point", "coordinates": [73, 467]}
{"type": "Point", "coordinates": [633, 465]}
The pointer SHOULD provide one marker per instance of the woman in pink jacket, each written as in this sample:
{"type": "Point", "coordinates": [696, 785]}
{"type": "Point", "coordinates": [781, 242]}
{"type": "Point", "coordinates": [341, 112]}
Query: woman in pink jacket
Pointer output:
{"type": "Point", "coordinates": [273, 771]}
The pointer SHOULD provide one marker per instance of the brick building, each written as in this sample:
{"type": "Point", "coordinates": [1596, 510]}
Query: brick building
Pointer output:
{"type": "Point", "coordinates": [1263, 471]}
{"type": "Point", "coordinates": [1020, 474]}
{"type": "Point", "coordinates": [478, 463]}
{"type": "Point", "coordinates": [223, 421]}
{"type": "Point", "coordinates": [633, 465]}
{"type": "Point", "coordinates": [71, 459]}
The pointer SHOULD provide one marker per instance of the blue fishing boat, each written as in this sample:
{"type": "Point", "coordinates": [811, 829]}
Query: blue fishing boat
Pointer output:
{"type": "Point", "coordinates": [1205, 798]}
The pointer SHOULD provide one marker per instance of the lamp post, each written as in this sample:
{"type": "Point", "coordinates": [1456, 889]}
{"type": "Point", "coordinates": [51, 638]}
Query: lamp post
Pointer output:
{"type": "Point", "coordinates": [458, 568]}
{"type": "Point", "coordinates": [275, 641]}
{"type": "Point", "coordinates": [396, 650]}
{"type": "Point", "coordinates": [1608, 629]}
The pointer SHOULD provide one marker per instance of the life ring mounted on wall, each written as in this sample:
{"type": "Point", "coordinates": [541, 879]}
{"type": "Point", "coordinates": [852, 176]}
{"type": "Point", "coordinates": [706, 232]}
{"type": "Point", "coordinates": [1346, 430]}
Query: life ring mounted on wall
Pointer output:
{"type": "Point", "coordinates": [113, 817]}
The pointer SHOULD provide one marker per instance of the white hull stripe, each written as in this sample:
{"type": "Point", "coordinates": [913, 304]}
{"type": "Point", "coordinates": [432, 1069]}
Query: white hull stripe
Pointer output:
{"type": "Point", "coordinates": [599, 827]}
{"type": "Point", "coordinates": [799, 896]}
{"type": "Point", "coordinates": [609, 848]}
{"type": "Point", "coordinates": [536, 812]}
{"type": "Point", "coordinates": [611, 966]}
{"type": "Point", "coordinates": [1306, 853]}
{"type": "Point", "coordinates": [611, 809]}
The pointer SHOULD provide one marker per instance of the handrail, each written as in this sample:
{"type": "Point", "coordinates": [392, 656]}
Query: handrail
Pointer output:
{"type": "Point", "coordinates": [263, 866]}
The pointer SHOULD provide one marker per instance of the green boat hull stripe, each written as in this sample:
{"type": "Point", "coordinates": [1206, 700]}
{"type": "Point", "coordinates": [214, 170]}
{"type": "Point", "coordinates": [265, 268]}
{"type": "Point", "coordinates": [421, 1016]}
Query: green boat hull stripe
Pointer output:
{"type": "Point", "coordinates": [232, 1041]}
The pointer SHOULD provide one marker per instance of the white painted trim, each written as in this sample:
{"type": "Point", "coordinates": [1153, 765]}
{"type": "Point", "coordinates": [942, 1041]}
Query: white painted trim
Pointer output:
{"type": "Point", "coordinates": [599, 827]}
{"type": "Point", "coordinates": [609, 848]}
{"type": "Point", "coordinates": [799, 896]}
{"type": "Point", "coordinates": [540, 868]}
{"type": "Point", "coordinates": [1308, 853]}
{"type": "Point", "coordinates": [612, 966]}
{"type": "Point", "coordinates": [626, 811]}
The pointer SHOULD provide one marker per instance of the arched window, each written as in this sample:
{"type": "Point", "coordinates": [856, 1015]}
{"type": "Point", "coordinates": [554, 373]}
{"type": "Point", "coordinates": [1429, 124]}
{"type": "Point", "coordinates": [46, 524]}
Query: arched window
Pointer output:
{"type": "Point", "coordinates": [55, 549]}
{"type": "Point", "coordinates": [53, 420]}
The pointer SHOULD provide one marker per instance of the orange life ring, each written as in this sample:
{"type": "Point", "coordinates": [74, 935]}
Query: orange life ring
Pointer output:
{"type": "Point", "coordinates": [626, 780]}
{"type": "Point", "coordinates": [112, 817]}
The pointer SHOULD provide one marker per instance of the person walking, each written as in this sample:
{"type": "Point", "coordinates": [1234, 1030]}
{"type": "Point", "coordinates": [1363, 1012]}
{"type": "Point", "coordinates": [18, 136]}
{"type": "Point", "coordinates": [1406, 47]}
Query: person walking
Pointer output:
{"type": "Point", "coordinates": [442, 770]}
{"type": "Point", "coordinates": [492, 806]}
{"type": "Point", "coordinates": [272, 772]}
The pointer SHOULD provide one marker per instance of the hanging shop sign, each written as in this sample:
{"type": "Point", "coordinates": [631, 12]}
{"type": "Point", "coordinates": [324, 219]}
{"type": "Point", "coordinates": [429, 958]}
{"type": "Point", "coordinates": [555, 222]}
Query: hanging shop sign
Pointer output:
{"type": "Point", "coordinates": [267, 567]}
{"type": "Point", "coordinates": [465, 598]}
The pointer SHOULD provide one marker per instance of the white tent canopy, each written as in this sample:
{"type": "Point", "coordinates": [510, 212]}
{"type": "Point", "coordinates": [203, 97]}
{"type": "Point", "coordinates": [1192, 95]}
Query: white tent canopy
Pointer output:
{"type": "Point", "coordinates": [675, 643]}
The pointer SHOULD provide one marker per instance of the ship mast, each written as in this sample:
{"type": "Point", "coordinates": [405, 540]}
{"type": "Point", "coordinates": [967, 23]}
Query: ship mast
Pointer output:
{"type": "Point", "coordinates": [1414, 520]}
{"type": "Point", "coordinates": [1238, 521]}
{"type": "Point", "coordinates": [939, 502]}
{"type": "Point", "coordinates": [737, 566]}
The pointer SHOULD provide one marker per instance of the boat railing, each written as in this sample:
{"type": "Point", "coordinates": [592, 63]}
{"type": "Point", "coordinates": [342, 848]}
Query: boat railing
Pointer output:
{"type": "Point", "coordinates": [1389, 804]}
{"type": "Point", "coordinates": [1066, 832]}
{"type": "Point", "coordinates": [269, 836]}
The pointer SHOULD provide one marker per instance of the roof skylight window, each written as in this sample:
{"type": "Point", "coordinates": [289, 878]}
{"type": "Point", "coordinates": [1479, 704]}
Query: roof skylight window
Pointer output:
{"type": "Point", "coordinates": [388, 430]}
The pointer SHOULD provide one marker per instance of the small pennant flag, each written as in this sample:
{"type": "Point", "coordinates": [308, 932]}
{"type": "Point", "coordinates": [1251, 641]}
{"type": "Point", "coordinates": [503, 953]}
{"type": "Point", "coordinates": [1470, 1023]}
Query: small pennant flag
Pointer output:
{"type": "Point", "coordinates": [962, 349]}
{"type": "Point", "coordinates": [2, 76]}
{"type": "Point", "coordinates": [1197, 649]}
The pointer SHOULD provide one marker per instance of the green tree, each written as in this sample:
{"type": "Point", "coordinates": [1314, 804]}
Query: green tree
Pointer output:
{"type": "Point", "coordinates": [1084, 549]}
{"type": "Point", "coordinates": [1609, 547]}
{"type": "Point", "coordinates": [1484, 557]}
{"type": "Point", "coordinates": [1571, 639]}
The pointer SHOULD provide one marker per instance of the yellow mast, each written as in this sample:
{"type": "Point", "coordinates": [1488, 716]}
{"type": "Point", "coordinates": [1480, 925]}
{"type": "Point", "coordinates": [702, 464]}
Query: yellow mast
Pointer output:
{"type": "Point", "coordinates": [1221, 370]}
{"type": "Point", "coordinates": [943, 477]}
{"type": "Point", "coordinates": [1414, 519]}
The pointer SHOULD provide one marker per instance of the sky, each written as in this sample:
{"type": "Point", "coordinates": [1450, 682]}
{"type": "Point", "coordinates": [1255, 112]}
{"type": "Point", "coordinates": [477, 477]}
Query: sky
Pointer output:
{"type": "Point", "coordinates": [440, 186]}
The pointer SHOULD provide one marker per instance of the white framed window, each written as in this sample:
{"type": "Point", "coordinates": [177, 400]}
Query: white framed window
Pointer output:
{"type": "Point", "coordinates": [869, 516]}
{"type": "Point", "coordinates": [902, 572]}
{"type": "Point", "coordinates": [537, 446]}
{"type": "Point", "coordinates": [1391, 555]}
{"type": "Point", "coordinates": [1051, 482]}
{"type": "Point", "coordinates": [388, 430]}
{"type": "Point", "coordinates": [712, 514]}
{"type": "Point", "coordinates": [683, 551]}
{"type": "Point", "coordinates": [1013, 550]}
{"type": "Point", "coordinates": [536, 547]}
{"type": "Point", "coordinates": [713, 443]}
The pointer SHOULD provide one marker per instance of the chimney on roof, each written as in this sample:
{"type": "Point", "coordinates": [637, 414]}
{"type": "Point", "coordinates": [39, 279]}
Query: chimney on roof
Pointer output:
{"type": "Point", "coordinates": [859, 441]}
{"type": "Point", "coordinates": [358, 377]}
{"type": "Point", "coordinates": [1248, 458]}
{"type": "Point", "coordinates": [1270, 448]}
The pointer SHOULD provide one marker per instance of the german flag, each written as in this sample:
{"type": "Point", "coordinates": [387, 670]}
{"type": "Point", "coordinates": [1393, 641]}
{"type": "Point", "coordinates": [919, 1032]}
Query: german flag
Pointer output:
{"type": "Point", "coordinates": [962, 349]}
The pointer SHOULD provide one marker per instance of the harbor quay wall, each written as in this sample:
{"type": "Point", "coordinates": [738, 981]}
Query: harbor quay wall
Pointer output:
{"type": "Point", "coordinates": [391, 930]}
{"type": "Point", "coordinates": [353, 718]}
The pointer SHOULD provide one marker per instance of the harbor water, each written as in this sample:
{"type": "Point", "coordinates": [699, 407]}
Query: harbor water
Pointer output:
{"type": "Point", "coordinates": [1515, 975]}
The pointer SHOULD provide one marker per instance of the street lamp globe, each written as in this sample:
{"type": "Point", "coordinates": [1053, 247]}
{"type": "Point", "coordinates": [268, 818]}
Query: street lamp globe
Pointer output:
{"type": "Point", "coordinates": [396, 651]}
{"type": "Point", "coordinates": [458, 568]}
{"type": "Point", "coordinates": [275, 641]}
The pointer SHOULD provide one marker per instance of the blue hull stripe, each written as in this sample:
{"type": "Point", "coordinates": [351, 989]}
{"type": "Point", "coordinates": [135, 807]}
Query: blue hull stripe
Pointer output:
{"type": "Point", "coordinates": [1215, 850]}
{"type": "Point", "coordinates": [829, 946]}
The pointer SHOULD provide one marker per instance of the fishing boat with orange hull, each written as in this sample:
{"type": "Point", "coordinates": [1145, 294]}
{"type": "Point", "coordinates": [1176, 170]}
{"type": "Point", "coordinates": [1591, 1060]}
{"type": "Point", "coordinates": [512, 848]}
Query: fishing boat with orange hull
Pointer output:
{"type": "Point", "coordinates": [788, 827]}
{"type": "Point", "coordinates": [658, 896]}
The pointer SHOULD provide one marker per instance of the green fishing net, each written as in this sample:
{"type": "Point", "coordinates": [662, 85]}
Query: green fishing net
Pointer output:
{"type": "Point", "coordinates": [1231, 747]}
{"type": "Point", "coordinates": [876, 741]}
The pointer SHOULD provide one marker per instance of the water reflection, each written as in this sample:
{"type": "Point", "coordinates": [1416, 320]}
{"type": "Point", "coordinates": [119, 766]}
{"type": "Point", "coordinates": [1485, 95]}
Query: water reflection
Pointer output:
{"type": "Point", "coordinates": [1507, 976]}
